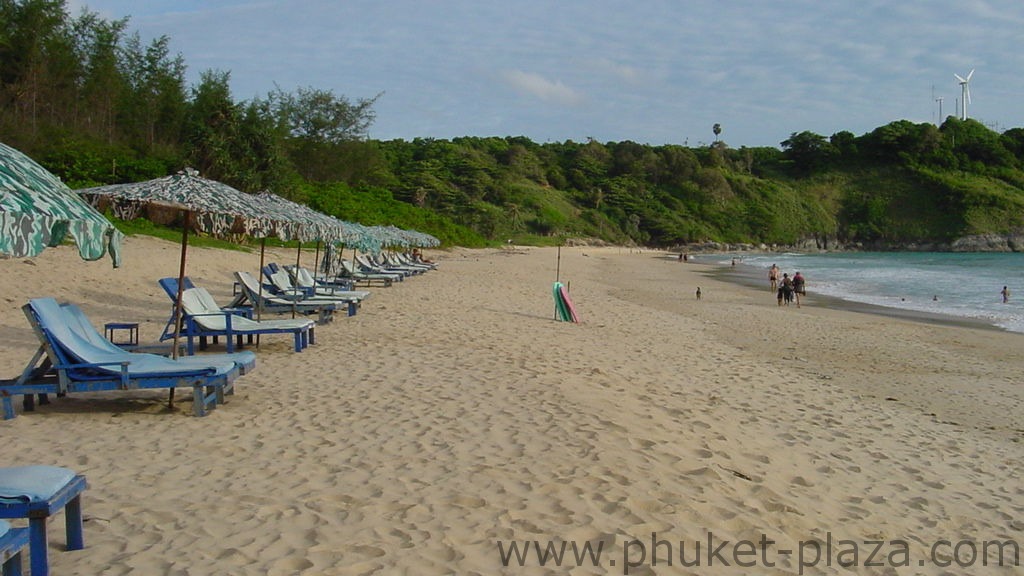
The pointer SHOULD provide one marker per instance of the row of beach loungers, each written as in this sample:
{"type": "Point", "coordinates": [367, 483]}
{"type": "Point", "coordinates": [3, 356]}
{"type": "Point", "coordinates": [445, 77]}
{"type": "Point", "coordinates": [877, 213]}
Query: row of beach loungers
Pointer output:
{"type": "Point", "coordinates": [73, 357]}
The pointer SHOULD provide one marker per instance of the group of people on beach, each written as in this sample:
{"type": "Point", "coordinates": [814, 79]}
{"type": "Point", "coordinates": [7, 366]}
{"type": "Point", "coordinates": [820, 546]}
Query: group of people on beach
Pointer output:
{"type": "Point", "coordinates": [788, 289]}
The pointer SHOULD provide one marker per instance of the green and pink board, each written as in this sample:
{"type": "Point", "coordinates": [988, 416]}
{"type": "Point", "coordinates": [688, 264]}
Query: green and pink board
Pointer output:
{"type": "Point", "coordinates": [564, 307]}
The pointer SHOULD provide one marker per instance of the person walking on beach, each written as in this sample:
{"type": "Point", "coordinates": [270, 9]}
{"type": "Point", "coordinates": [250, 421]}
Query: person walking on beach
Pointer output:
{"type": "Point", "coordinates": [798, 287]}
{"type": "Point", "coordinates": [698, 292]}
{"type": "Point", "coordinates": [1005, 294]}
{"type": "Point", "coordinates": [773, 277]}
{"type": "Point", "coordinates": [786, 290]}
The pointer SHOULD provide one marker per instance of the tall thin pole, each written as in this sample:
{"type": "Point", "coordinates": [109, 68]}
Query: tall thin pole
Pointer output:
{"type": "Point", "coordinates": [558, 263]}
{"type": "Point", "coordinates": [177, 300]}
{"type": "Point", "coordinates": [316, 261]}
{"type": "Point", "coordinates": [259, 280]}
{"type": "Point", "coordinates": [181, 287]}
{"type": "Point", "coordinates": [298, 257]}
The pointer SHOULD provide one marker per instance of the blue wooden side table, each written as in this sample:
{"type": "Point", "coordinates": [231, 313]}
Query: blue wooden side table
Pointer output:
{"type": "Point", "coordinates": [110, 328]}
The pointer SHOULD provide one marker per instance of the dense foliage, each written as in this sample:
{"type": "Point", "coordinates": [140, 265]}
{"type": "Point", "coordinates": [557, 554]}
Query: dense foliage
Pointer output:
{"type": "Point", "coordinates": [96, 105]}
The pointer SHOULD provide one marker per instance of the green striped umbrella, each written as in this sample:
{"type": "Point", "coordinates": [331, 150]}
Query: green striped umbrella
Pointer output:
{"type": "Point", "coordinates": [209, 206]}
{"type": "Point", "coordinates": [37, 210]}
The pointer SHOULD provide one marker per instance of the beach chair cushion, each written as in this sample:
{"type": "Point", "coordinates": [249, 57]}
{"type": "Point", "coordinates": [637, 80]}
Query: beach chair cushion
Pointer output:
{"type": "Point", "coordinates": [23, 484]}
{"type": "Point", "coordinates": [37, 493]}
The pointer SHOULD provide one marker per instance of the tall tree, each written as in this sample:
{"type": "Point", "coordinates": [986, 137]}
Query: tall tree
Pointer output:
{"type": "Point", "coordinates": [155, 106]}
{"type": "Point", "coordinates": [211, 126]}
{"type": "Point", "coordinates": [36, 62]}
{"type": "Point", "coordinates": [324, 134]}
{"type": "Point", "coordinates": [97, 43]}
{"type": "Point", "coordinates": [321, 117]}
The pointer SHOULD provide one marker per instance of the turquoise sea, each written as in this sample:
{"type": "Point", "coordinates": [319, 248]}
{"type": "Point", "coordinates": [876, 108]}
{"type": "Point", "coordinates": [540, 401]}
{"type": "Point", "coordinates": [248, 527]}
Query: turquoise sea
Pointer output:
{"type": "Point", "coordinates": [955, 284]}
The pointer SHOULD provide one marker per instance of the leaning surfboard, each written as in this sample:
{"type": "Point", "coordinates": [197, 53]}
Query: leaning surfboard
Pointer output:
{"type": "Point", "coordinates": [560, 310]}
{"type": "Point", "coordinates": [569, 307]}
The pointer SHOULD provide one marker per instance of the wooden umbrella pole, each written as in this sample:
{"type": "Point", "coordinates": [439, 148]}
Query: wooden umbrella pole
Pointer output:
{"type": "Point", "coordinates": [298, 257]}
{"type": "Point", "coordinates": [259, 279]}
{"type": "Point", "coordinates": [177, 300]}
{"type": "Point", "coordinates": [340, 258]}
{"type": "Point", "coordinates": [316, 261]}
{"type": "Point", "coordinates": [558, 263]}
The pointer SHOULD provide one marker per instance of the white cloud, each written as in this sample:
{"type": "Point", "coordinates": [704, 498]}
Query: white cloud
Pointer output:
{"type": "Point", "coordinates": [540, 87]}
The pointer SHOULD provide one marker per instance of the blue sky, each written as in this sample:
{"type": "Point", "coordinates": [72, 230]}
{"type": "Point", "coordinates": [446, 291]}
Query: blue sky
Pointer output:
{"type": "Point", "coordinates": [650, 71]}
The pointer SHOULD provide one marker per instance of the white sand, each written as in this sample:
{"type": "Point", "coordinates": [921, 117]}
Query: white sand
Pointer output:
{"type": "Point", "coordinates": [453, 413]}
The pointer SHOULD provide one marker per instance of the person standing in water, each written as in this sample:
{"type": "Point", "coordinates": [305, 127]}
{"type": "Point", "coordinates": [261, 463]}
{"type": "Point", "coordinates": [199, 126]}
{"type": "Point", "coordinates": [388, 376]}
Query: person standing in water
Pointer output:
{"type": "Point", "coordinates": [1005, 293]}
{"type": "Point", "coordinates": [773, 277]}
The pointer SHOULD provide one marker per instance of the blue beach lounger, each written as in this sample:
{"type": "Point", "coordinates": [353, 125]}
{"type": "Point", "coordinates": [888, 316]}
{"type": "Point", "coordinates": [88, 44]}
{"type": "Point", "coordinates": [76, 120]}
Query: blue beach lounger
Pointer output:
{"type": "Point", "coordinates": [36, 493]}
{"type": "Point", "coordinates": [170, 286]}
{"type": "Point", "coordinates": [204, 318]}
{"type": "Point", "coordinates": [67, 362]}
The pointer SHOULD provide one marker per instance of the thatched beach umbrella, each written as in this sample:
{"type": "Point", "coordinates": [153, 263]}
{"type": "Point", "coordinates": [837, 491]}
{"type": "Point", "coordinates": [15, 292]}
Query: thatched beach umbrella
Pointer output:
{"type": "Point", "coordinates": [208, 206]}
{"type": "Point", "coordinates": [37, 210]}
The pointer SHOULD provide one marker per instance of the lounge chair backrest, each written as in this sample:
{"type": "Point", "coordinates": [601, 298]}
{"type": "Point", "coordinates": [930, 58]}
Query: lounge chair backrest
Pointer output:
{"type": "Point", "coordinates": [170, 286]}
{"type": "Point", "coordinates": [282, 281]}
{"type": "Point", "coordinates": [347, 267]}
{"type": "Point", "coordinates": [196, 301]}
{"type": "Point", "coordinates": [248, 282]}
{"type": "Point", "coordinates": [203, 309]}
{"type": "Point", "coordinates": [365, 261]}
{"type": "Point", "coordinates": [207, 300]}
{"type": "Point", "coordinates": [78, 322]}
{"type": "Point", "coordinates": [303, 278]}
{"type": "Point", "coordinates": [260, 298]}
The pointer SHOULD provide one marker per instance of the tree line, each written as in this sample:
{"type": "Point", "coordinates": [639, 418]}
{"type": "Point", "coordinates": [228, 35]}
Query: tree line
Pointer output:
{"type": "Point", "coordinates": [97, 105]}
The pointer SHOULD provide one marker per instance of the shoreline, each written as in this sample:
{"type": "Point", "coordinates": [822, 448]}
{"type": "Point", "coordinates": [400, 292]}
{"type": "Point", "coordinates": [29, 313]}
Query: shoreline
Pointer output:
{"type": "Point", "coordinates": [746, 277]}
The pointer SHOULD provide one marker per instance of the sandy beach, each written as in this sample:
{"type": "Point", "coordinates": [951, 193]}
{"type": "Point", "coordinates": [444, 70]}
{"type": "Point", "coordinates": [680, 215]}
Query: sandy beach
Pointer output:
{"type": "Point", "coordinates": [453, 418]}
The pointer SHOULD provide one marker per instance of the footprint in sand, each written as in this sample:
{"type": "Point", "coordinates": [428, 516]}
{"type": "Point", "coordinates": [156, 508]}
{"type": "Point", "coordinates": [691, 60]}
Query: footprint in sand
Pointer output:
{"type": "Point", "coordinates": [469, 502]}
{"type": "Point", "coordinates": [641, 444]}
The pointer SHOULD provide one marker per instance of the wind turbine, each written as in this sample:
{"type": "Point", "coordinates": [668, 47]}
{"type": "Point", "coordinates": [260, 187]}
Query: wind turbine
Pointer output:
{"type": "Point", "coordinates": [965, 91]}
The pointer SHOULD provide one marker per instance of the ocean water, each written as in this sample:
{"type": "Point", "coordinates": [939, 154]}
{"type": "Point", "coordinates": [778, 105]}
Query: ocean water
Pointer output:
{"type": "Point", "coordinates": [954, 284]}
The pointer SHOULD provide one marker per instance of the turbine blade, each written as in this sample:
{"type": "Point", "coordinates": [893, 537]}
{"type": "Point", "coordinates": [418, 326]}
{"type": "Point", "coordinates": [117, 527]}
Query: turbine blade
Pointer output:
{"type": "Point", "coordinates": [962, 81]}
{"type": "Point", "coordinates": [969, 74]}
{"type": "Point", "coordinates": [969, 94]}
